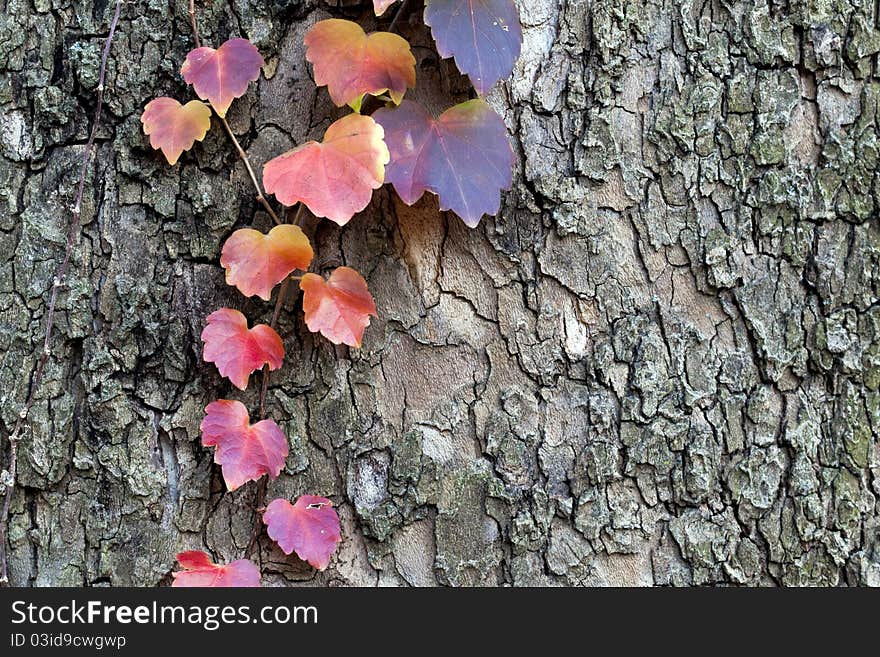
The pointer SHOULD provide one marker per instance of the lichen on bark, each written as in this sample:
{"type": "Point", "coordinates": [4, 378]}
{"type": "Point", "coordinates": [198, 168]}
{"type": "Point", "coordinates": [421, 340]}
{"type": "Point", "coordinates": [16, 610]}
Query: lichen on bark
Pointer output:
{"type": "Point", "coordinates": [657, 365]}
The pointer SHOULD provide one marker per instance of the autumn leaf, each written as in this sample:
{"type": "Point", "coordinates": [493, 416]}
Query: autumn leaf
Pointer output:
{"type": "Point", "coordinates": [379, 6]}
{"type": "Point", "coordinates": [200, 571]}
{"type": "Point", "coordinates": [173, 127]}
{"type": "Point", "coordinates": [256, 262]}
{"type": "Point", "coordinates": [219, 76]}
{"type": "Point", "coordinates": [338, 308]}
{"type": "Point", "coordinates": [484, 36]}
{"type": "Point", "coordinates": [244, 451]}
{"type": "Point", "coordinates": [464, 156]}
{"type": "Point", "coordinates": [335, 178]}
{"type": "Point", "coordinates": [310, 528]}
{"type": "Point", "coordinates": [352, 63]}
{"type": "Point", "coordinates": [237, 351]}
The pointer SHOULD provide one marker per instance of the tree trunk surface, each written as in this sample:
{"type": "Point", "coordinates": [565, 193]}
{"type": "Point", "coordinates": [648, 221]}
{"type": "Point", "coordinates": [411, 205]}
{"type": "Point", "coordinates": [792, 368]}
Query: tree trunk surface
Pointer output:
{"type": "Point", "coordinates": [659, 365]}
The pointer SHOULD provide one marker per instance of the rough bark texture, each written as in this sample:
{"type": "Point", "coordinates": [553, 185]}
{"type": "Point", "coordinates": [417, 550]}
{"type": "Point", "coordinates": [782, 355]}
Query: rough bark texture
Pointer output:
{"type": "Point", "coordinates": [658, 365]}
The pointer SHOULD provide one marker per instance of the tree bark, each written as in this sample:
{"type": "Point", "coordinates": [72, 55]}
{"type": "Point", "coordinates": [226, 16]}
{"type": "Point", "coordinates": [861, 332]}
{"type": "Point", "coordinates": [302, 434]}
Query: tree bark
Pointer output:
{"type": "Point", "coordinates": [658, 365]}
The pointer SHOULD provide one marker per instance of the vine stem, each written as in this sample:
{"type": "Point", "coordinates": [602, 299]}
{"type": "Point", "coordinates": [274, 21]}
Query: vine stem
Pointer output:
{"type": "Point", "coordinates": [398, 16]}
{"type": "Point", "coordinates": [247, 165]}
{"type": "Point", "coordinates": [195, 25]}
{"type": "Point", "coordinates": [262, 485]}
{"type": "Point", "coordinates": [241, 152]}
{"type": "Point", "coordinates": [57, 281]}
{"type": "Point", "coordinates": [282, 292]}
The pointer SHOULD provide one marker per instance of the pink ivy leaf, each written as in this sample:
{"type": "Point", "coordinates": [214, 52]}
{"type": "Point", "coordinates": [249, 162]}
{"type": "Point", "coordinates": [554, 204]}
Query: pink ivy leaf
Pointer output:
{"type": "Point", "coordinates": [173, 127]}
{"type": "Point", "coordinates": [334, 178]}
{"type": "Point", "coordinates": [219, 76]}
{"type": "Point", "coordinates": [310, 528]}
{"type": "Point", "coordinates": [255, 262]}
{"type": "Point", "coordinates": [244, 451]}
{"type": "Point", "coordinates": [200, 571]}
{"type": "Point", "coordinates": [238, 351]}
{"type": "Point", "coordinates": [353, 63]}
{"type": "Point", "coordinates": [338, 308]}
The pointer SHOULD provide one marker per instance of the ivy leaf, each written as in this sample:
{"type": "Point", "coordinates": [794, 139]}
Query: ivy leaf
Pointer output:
{"type": "Point", "coordinates": [379, 6]}
{"type": "Point", "coordinates": [484, 36]}
{"type": "Point", "coordinates": [244, 451]}
{"type": "Point", "coordinates": [464, 156]}
{"type": "Point", "coordinates": [352, 63]}
{"type": "Point", "coordinates": [219, 76]}
{"type": "Point", "coordinates": [173, 127]}
{"type": "Point", "coordinates": [237, 351]}
{"type": "Point", "coordinates": [310, 528]}
{"type": "Point", "coordinates": [200, 571]}
{"type": "Point", "coordinates": [335, 178]}
{"type": "Point", "coordinates": [338, 308]}
{"type": "Point", "coordinates": [256, 262]}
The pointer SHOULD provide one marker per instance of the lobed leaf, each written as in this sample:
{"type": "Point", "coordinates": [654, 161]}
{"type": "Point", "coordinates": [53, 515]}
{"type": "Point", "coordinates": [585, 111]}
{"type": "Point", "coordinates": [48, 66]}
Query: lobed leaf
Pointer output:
{"type": "Point", "coordinates": [244, 451]}
{"type": "Point", "coordinates": [237, 351]}
{"type": "Point", "coordinates": [464, 156]}
{"type": "Point", "coordinates": [379, 6]}
{"type": "Point", "coordinates": [310, 528]}
{"type": "Point", "coordinates": [200, 571]}
{"type": "Point", "coordinates": [173, 127]}
{"type": "Point", "coordinates": [335, 178]}
{"type": "Point", "coordinates": [352, 63]}
{"type": "Point", "coordinates": [338, 308]}
{"type": "Point", "coordinates": [484, 36]}
{"type": "Point", "coordinates": [256, 262]}
{"type": "Point", "coordinates": [219, 76]}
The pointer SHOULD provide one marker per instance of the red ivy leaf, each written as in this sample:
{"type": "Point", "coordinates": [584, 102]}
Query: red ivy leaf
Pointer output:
{"type": "Point", "coordinates": [464, 156]}
{"type": "Point", "coordinates": [173, 127]}
{"type": "Point", "coordinates": [335, 178]}
{"type": "Point", "coordinates": [484, 36]}
{"type": "Point", "coordinates": [237, 351]}
{"type": "Point", "coordinates": [199, 571]}
{"type": "Point", "coordinates": [352, 63]}
{"type": "Point", "coordinates": [221, 75]}
{"type": "Point", "coordinates": [379, 6]}
{"type": "Point", "coordinates": [339, 308]}
{"type": "Point", "coordinates": [255, 263]}
{"type": "Point", "coordinates": [310, 528]}
{"type": "Point", "coordinates": [245, 451]}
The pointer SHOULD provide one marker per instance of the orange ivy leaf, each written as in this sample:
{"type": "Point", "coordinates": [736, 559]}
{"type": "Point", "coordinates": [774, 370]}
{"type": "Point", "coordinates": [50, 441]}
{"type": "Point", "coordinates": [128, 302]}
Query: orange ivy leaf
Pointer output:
{"type": "Point", "coordinates": [244, 451]}
{"type": "Point", "coordinates": [352, 63]}
{"type": "Point", "coordinates": [335, 178]}
{"type": "Point", "coordinates": [338, 308]}
{"type": "Point", "coordinates": [381, 5]}
{"type": "Point", "coordinates": [173, 127]}
{"type": "Point", "coordinates": [200, 571]}
{"type": "Point", "coordinates": [237, 351]}
{"type": "Point", "coordinates": [221, 75]}
{"type": "Point", "coordinates": [257, 262]}
{"type": "Point", "coordinates": [310, 528]}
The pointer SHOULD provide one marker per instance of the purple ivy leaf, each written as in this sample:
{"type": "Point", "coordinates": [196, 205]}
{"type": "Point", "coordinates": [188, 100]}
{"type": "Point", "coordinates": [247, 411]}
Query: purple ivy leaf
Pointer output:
{"type": "Point", "coordinates": [464, 156]}
{"type": "Point", "coordinates": [484, 36]}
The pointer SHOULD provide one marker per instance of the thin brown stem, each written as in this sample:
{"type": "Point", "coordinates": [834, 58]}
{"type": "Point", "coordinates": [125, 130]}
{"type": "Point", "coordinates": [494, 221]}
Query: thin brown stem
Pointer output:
{"type": "Point", "coordinates": [282, 292]}
{"type": "Point", "coordinates": [262, 484]}
{"type": "Point", "coordinates": [57, 281]}
{"type": "Point", "coordinates": [398, 16]}
{"type": "Point", "coordinates": [247, 165]}
{"type": "Point", "coordinates": [297, 218]}
{"type": "Point", "coordinates": [195, 25]}
{"type": "Point", "coordinates": [241, 152]}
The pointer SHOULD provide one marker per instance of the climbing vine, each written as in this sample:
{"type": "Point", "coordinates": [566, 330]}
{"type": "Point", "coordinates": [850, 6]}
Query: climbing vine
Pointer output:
{"type": "Point", "coordinates": [463, 157]}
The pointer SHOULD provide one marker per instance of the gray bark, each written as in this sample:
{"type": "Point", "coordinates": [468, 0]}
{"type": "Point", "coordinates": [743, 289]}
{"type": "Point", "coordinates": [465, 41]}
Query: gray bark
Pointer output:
{"type": "Point", "coordinates": [658, 365]}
